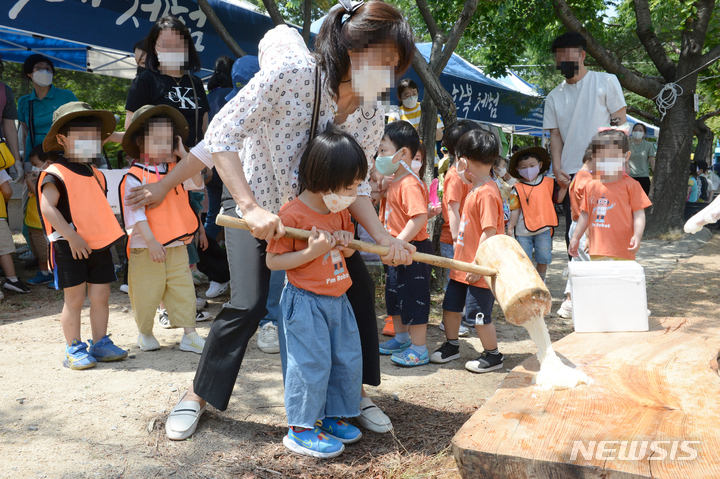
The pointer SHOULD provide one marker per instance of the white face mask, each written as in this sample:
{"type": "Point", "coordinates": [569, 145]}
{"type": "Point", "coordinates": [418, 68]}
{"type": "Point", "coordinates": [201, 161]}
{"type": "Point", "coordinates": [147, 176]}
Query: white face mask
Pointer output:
{"type": "Point", "coordinates": [415, 166]}
{"type": "Point", "coordinates": [611, 166]}
{"type": "Point", "coordinates": [637, 135]}
{"type": "Point", "coordinates": [501, 172]}
{"type": "Point", "coordinates": [336, 203]}
{"type": "Point", "coordinates": [172, 59]}
{"type": "Point", "coordinates": [410, 102]}
{"type": "Point", "coordinates": [43, 78]}
{"type": "Point", "coordinates": [369, 82]}
{"type": "Point", "coordinates": [86, 149]}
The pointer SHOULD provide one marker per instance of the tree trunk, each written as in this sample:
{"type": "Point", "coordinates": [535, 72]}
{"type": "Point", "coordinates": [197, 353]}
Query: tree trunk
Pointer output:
{"type": "Point", "coordinates": [307, 21]}
{"type": "Point", "coordinates": [220, 29]}
{"type": "Point", "coordinates": [274, 12]}
{"type": "Point", "coordinates": [669, 187]}
{"type": "Point", "coordinates": [705, 148]}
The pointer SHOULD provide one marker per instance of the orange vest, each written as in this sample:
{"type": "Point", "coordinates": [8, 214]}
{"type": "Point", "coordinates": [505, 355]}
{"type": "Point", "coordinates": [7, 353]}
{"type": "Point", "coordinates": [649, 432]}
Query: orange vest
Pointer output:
{"type": "Point", "coordinates": [174, 219]}
{"type": "Point", "coordinates": [90, 211]}
{"type": "Point", "coordinates": [537, 204]}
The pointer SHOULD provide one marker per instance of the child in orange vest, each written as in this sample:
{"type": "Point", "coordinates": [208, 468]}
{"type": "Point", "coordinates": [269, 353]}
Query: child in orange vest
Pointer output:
{"type": "Point", "coordinates": [158, 268]}
{"type": "Point", "coordinates": [404, 213]}
{"type": "Point", "coordinates": [81, 227]}
{"type": "Point", "coordinates": [613, 206]}
{"type": "Point", "coordinates": [38, 242]}
{"type": "Point", "coordinates": [533, 221]}
{"type": "Point", "coordinates": [481, 219]}
{"type": "Point", "coordinates": [323, 374]}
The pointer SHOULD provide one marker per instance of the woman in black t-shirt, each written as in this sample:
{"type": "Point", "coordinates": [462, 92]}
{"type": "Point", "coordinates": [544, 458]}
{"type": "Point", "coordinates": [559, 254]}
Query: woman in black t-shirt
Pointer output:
{"type": "Point", "coordinates": [171, 59]}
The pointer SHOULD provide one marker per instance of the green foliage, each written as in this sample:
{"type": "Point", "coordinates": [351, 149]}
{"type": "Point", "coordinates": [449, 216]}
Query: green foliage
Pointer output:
{"type": "Point", "coordinates": [292, 10]}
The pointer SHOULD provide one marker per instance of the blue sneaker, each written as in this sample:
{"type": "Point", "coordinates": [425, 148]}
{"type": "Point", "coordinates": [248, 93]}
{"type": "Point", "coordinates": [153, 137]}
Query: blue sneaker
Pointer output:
{"type": "Point", "coordinates": [39, 279]}
{"type": "Point", "coordinates": [339, 429]}
{"type": "Point", "coordinates": [77, 357]}
{"type": "Point", "coordinates": [105, 350]}
{"type": "Point", "coordinates": [313, 442]}
{"type": "Point", "coordinates": [410, 358]}
{"type": "Point", "coordinates": [394, 346]}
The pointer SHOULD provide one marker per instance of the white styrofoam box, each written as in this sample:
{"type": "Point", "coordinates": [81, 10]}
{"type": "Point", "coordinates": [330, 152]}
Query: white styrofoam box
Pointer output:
{"type": "Point", "coordinates": [608, 296]}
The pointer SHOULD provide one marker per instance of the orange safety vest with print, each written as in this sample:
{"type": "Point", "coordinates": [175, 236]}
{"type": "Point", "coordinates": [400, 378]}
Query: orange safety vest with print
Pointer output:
{"type": "Point", "coordinates": [536, 202]}
{"type": "Point", "coordinates": [174, 220]}
{"type": "Point", "coordinates": [90, 212]}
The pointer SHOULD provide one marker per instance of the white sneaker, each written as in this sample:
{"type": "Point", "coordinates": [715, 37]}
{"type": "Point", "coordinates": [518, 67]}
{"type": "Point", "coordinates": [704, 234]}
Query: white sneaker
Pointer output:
{"type": "Point", "coordinates": [124, 288]}
{"type": "Point", "coordinates": [372, 418]}
{"type": "Point", "coordinates": [464, 331]}
{"type": "Point", "coordinates": [565, 310]}
{"type": "Point", "coordinates": [200, 304]}
{"type": "Point", "coordinates": [216, 289]}
{"type": "Point", "coordinates": [192, 342]}
{"type": "Point", "coordinates": [202, 316]}
{"type": "Point", "coordinates": [199, 278]}
{"type": "Point", "coordinates": [147, 342]}
{"type": "Point", "coordinates": [267, 339]}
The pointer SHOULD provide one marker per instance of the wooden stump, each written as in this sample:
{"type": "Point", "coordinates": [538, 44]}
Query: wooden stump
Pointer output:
{"type": "Point", "coordinates": [661, 385]}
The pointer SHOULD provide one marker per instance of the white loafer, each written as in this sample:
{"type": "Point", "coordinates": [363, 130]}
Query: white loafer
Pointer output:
{"type": "Point", "coordinates": [183, 419]}
{"type": "Point", "coordinates": [372, 418]}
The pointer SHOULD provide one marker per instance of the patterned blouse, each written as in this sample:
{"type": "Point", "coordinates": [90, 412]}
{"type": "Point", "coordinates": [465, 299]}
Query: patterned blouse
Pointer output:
{"type": "Point", "coordinates": [268, 124]}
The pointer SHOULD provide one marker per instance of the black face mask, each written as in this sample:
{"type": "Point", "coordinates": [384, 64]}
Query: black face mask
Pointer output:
{"type": "Point", "coordinates": [568, 69]}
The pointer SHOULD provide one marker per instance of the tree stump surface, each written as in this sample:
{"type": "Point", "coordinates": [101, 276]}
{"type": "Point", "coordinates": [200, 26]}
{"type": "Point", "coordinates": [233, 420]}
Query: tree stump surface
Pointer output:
{"type": "Point", "coordinates": [649, 387]}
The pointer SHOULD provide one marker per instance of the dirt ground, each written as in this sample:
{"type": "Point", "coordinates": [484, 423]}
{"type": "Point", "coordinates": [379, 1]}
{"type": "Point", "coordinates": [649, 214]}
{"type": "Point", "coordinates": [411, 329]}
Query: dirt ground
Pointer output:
{"type": "Point", "coordinates": [107, 422]}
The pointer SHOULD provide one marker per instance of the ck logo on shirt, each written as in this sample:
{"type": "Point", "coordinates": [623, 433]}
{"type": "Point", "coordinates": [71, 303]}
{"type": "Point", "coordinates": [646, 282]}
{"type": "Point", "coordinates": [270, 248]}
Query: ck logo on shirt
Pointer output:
{"type": "Point", "coordinates": [185, 98]}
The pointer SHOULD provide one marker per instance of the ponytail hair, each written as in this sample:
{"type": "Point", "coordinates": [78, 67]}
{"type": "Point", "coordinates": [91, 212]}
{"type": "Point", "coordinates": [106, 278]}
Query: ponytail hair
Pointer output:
{"type": "Point", "coordinates": [222, 76]}
{"type": "Point", "coordinates": [373, 23]}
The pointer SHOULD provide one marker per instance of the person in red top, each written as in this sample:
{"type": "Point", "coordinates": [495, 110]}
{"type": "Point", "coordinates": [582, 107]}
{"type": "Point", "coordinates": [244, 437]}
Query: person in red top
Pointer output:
{"type": "Point", "coordinates": [481, 219]}
{"type": "Point", "coordinates": [318, 331]}
{"type": "Point", "coordinates": [613, 206]}
{"type": "Point", "coordinates": [577, 193]}
{"type": "Point", "coordinates": [404, 212]}
{"type": "Point", "coordinates": [453, 200]}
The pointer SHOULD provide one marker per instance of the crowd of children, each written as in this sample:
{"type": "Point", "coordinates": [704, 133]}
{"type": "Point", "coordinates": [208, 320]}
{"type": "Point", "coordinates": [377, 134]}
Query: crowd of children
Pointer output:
{"type": "Point", "coordinates": [484, 195]}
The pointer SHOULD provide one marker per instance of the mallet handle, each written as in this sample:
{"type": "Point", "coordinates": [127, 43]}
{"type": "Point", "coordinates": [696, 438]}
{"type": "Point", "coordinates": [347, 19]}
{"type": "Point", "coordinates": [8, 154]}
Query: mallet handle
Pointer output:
{"type": "Point", "coordinates": [303, 235]}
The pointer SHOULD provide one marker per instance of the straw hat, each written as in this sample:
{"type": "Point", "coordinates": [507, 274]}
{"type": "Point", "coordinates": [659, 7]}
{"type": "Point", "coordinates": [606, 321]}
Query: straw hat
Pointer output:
{"type": "Point", "coordinates": [70, 111]}
{"type": "Point", "coordinates": [143, 114]}
{"type": "Point", "coordinates": [538, 151]}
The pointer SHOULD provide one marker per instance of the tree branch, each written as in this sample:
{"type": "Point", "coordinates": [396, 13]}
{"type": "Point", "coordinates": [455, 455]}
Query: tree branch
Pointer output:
{"type": "Point", "coordinates": [307, 20]}
{"type": "Point", "coordinates": [434, 88]}
{"type": "Point", "coordinates": [456, 33]}
{"type": "Point", "coordinates": [712, 54]}
{"type": "Point", "coordinates": [430, 20]}
{"type": "Point", "coordinates": [648, 116]}
{"type": "Point", "coordinates": [642, 86]}
{"type": "Point", "coordinates": [707, 116]}
{"type": "Point", "coordinates": [273, 11]}
{"type": "Point", "coordinates": [220, 29]}
{"type": "Point", "coordinates": [650, 41]}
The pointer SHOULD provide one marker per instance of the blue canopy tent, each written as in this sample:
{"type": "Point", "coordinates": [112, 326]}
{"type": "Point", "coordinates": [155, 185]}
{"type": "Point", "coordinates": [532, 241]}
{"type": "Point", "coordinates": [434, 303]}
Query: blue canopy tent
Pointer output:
{"type": "Point", "coordinates": [98, 35]}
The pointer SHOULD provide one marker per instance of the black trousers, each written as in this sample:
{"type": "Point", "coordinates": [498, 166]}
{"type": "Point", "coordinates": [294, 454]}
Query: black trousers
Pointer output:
{"type": "Point", "coordinates": [238, 320]}
{"type": "Point", "coordinates": [644, 182]}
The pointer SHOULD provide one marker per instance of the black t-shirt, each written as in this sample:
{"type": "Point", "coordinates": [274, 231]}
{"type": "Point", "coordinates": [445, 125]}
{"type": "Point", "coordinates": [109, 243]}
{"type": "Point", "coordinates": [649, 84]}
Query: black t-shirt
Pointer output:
{"type": "Point", "coordinates": [63, 205]}
{"type": "Point", "coordinates": [149, 88]}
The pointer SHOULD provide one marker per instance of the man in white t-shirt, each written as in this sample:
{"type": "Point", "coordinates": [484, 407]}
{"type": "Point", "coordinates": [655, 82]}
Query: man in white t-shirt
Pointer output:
{"type": "Point", "coordinates": [576, 108]}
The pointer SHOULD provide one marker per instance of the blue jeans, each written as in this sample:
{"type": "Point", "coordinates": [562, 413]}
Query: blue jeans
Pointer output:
{"type": "Point", "coordinates": [447, 251]}
{"type": "Point", "coordinates": [541, 244]}
{"type": "Point", "coordinates": [324, 359]}
{"type": "Point", "coordinates": [277, 283]}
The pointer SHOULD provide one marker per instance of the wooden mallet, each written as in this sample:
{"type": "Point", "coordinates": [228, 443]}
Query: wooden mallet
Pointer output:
{"type": "Point", "coordinates": [506, 268]}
